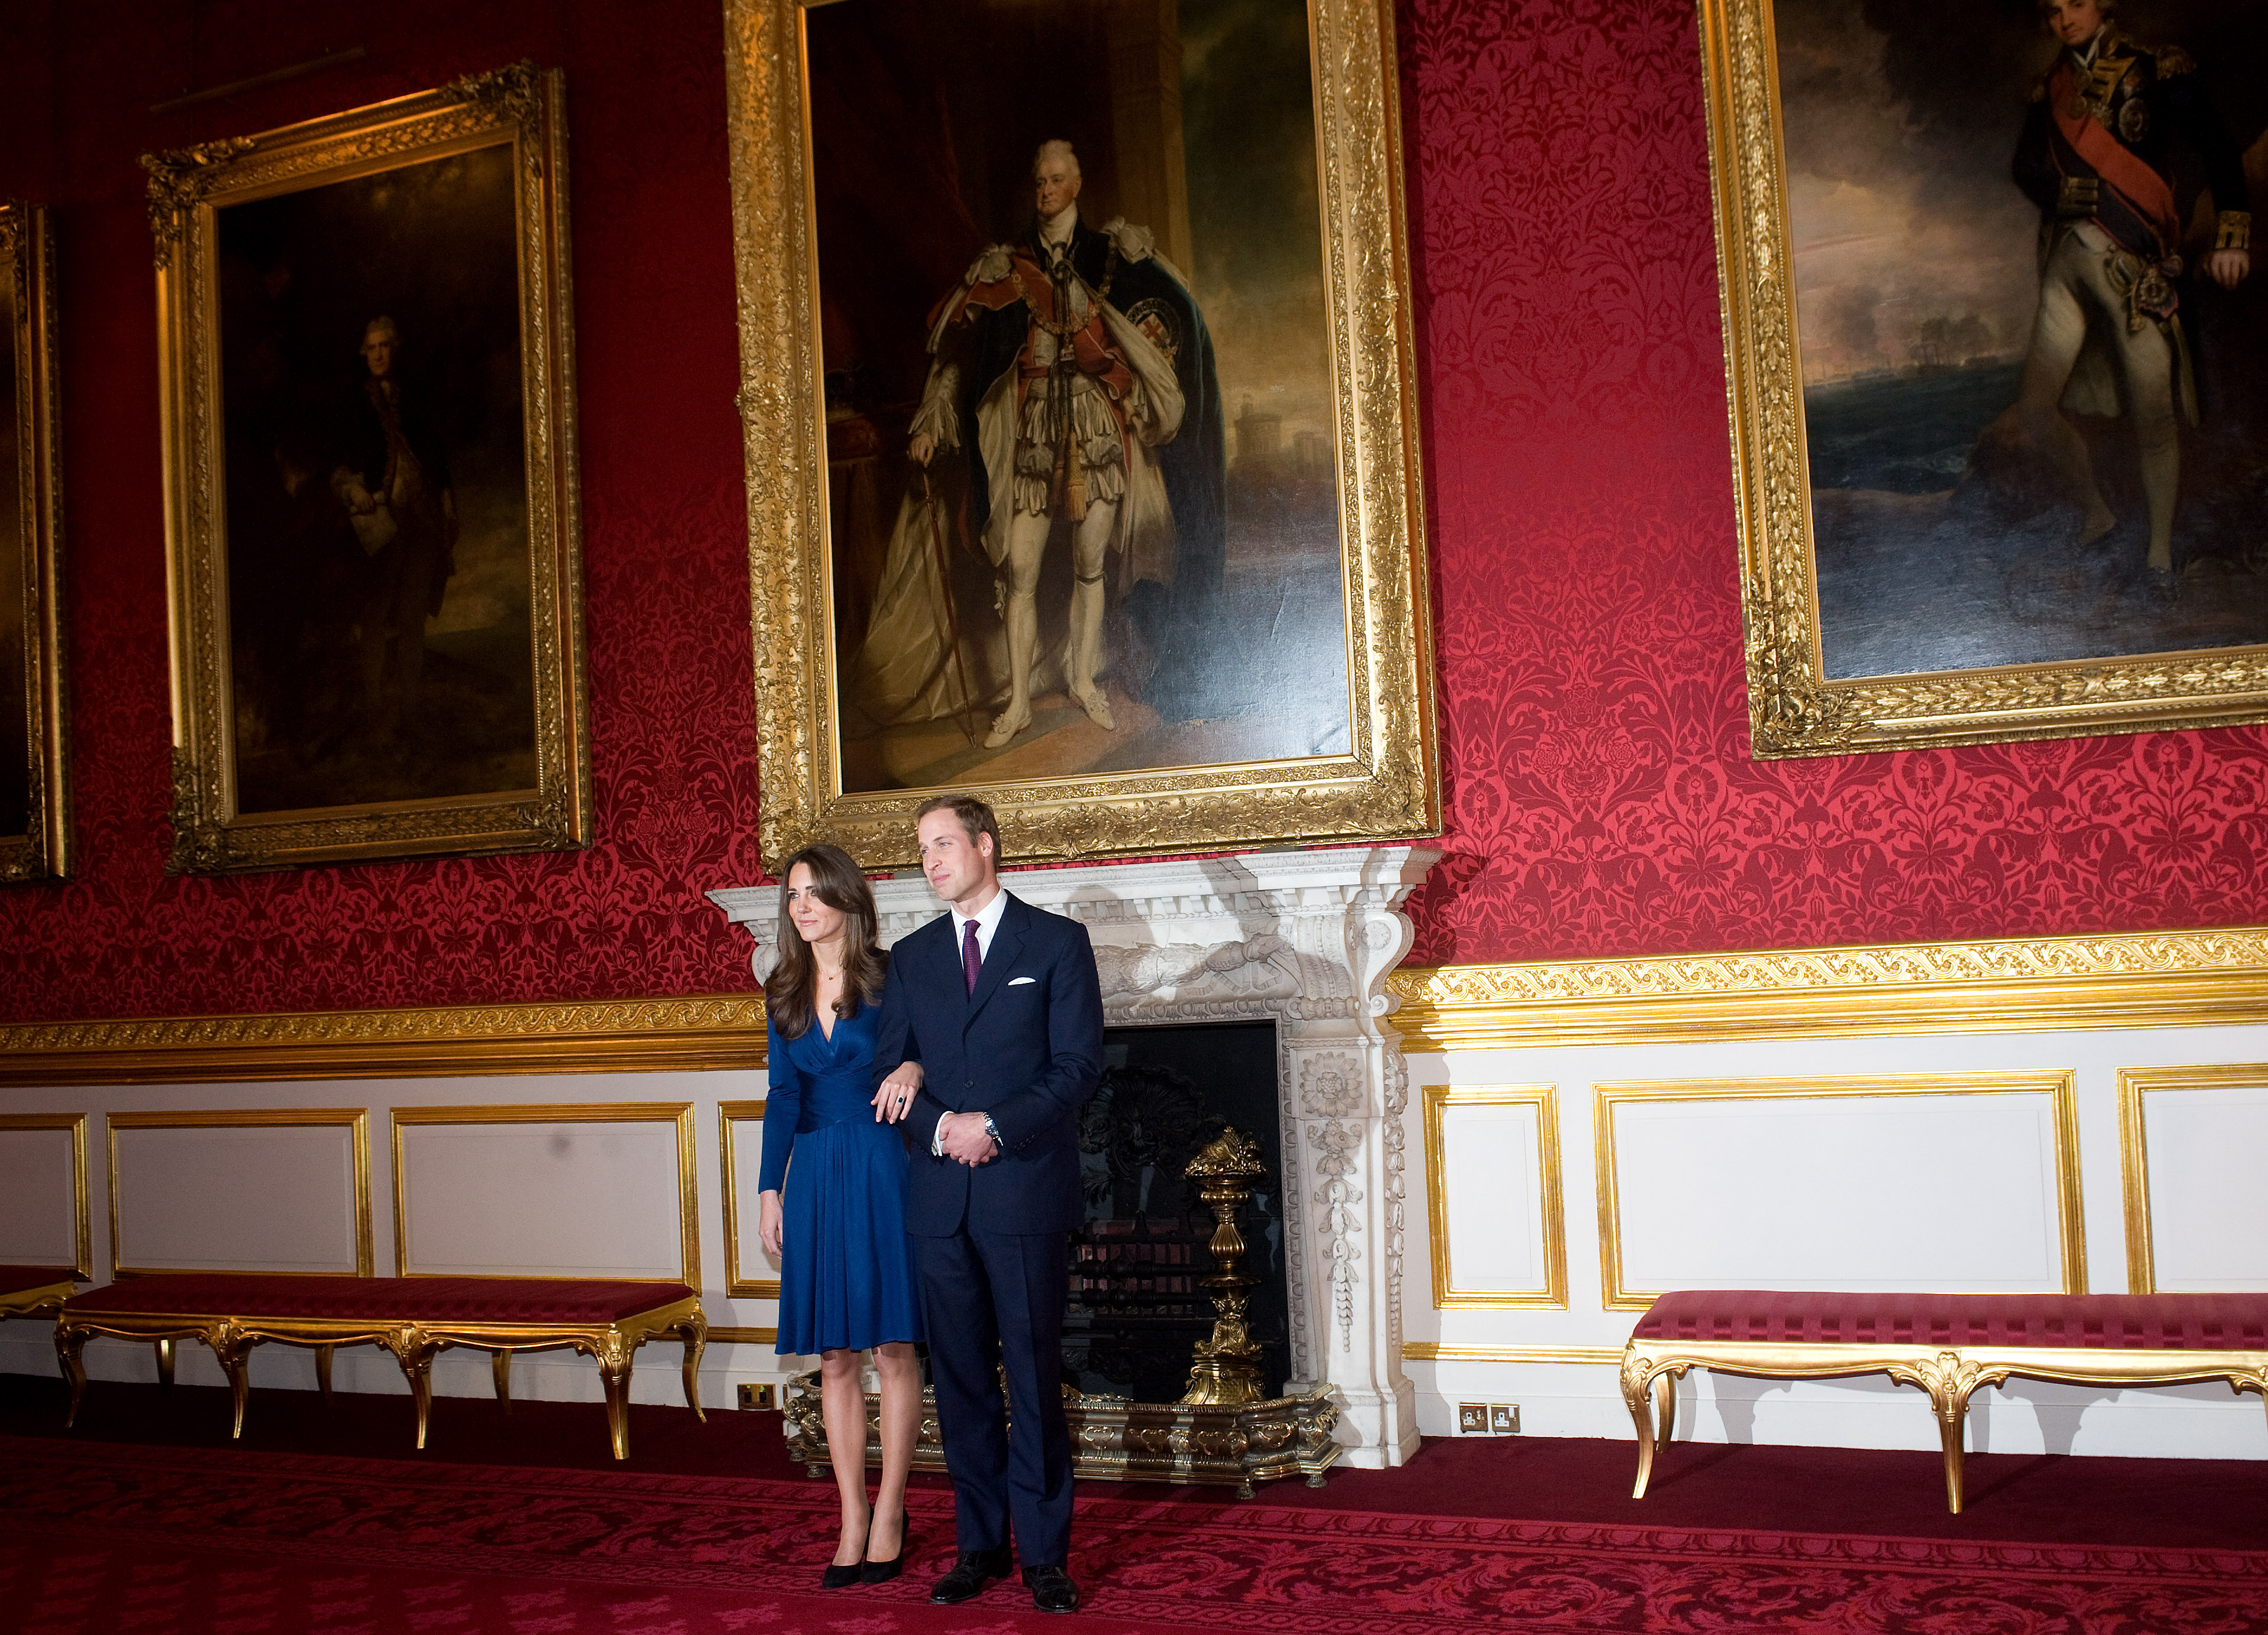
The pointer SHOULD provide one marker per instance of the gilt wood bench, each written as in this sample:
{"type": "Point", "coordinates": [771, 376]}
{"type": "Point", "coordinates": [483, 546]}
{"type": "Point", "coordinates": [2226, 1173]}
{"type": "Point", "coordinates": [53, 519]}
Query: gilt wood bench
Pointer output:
{"type": "Point", "coordinates": [35, 1291]}
{"type": "Point", "coordinates": [415, 1318]}
{"type": "Point", "coordinates": [1947, 1344]}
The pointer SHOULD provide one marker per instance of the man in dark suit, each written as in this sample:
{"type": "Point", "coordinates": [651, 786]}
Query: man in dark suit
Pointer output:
{"type": "Point", "coordinates": [1000, 1005]}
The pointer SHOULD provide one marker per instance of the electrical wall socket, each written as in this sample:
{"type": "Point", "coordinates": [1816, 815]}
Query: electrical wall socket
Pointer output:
{"type": "Point", "coordinates": [1504, 1419]}
{"type": "Point", "coordinates": [1472, 1420]}
{"type": "Point", "coordinates": [759, 1397]}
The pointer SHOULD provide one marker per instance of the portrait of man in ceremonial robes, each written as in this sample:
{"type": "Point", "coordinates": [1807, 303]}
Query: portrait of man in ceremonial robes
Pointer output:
{"type": "Point", "coordinates": [1055, 247]}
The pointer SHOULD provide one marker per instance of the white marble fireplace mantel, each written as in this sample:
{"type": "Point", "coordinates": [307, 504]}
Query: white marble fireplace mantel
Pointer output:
{"type": "Point", "coordinates": [1304, 938]}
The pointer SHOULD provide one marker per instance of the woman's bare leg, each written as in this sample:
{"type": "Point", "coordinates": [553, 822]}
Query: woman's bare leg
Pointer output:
{"type": "Point", "coordinates": [902, 1413]}
{"type": "Point", "coordinates": [842, 1406]}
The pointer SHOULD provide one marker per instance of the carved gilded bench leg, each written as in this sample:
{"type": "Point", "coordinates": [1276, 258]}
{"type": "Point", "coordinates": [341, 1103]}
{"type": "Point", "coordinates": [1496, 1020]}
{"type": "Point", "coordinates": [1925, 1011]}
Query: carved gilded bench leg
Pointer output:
{"type": "Point", "coordinates": [323, 1371]}
{"type": "Point", "coordinates": [70, 1342]}
{"type": "Point", "coordinates": [614, 1353]}
{"type": "Point", "coordinates": [694, 1328]}
{"type": "Point", "coordinates": [164, 1347]}
{"type": "Point", "coordinates": [500, 1369]}
{"type": "Point", "coordinates": [1948, 1379]}
{"type": "Point", "coordinates": [414, 1352]}
{"type": "Point", "coordinates": [232, 1347]}
{"type": "Point", "coordinates": [1665, 1409]}
{"type": "Point", "coordinates": [1635, 1393]}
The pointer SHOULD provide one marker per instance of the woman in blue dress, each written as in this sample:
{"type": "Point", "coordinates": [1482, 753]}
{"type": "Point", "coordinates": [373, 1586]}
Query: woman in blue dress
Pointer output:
{"type": "Point", "coordinates": [838, 1224]}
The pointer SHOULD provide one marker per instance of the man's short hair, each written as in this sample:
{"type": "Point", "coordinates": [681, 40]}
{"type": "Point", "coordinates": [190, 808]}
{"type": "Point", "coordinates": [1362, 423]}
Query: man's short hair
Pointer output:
{"type": "Point", "coordinates": [379, 323]}
{"type": "Point", "coordinates": [975, 815]}
{"type": "Point", "coordinates": [2105, 9]}
{"type": "Point", "coordinates": [1055, 149]}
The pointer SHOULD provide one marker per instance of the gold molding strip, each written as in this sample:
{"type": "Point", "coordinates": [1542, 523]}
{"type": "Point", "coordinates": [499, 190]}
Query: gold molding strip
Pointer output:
{"type": "Point", "coordinates": [81, 1214]}
{"type": "Point", "coordinates": [1545, 1100]}
{"type": "Point", "coordinates": [2135, 1083]}
{"type": "Point", "coordinates": [356, 1120]}
{"type": "Point", "coordinates": [2061, 1085]}
{"type": "Point", "coordinates": [752, 1336]}
{"type": "Point", "coordinates": [2144, 979]}
{"type": "Point", "coordinates": [677, 1113]}
{"type": "Point", "coordinates": [736, 1286]}
{"type": "Point", "coordinates": [1440, 1352]}
{"type": "Point", "coordinates": [708, 1031]}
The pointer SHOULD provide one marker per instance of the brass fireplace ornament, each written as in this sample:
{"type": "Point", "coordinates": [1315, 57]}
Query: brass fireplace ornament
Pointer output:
{"type": "Point", "coordinates": [1227, 1371]}
{"type": "Point", "coordinates": [1222, 1433]}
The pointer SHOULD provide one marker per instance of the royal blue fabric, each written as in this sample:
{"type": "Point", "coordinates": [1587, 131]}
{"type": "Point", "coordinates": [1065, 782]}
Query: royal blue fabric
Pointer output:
{"type": "Point", "coordinates": [846, 1267]}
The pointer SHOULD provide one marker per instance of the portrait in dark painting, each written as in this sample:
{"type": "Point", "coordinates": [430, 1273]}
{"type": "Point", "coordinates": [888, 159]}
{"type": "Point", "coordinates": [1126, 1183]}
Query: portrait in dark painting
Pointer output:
{"type": "Point", "coordinates": [377, 550]}
{"type": "Point", "coordinates": [1080, 444]}
{"type": "Point", "coordinates": [375, 596]}
{"type": "Point", "coordinates": [34, 812]}
{"type": "Point", "coordinates": [2037, 422]}
{"type": "Point", "coordinates": [1994, 333]}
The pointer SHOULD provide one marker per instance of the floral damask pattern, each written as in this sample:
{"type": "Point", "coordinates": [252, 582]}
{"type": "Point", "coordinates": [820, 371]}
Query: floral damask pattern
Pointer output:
{"type": "Point", "coordinates": [672, 731]}
{"type": "Point", "coordinates": [1599, 796]}
{"type": "Point", "coordinates": [162, 1539]}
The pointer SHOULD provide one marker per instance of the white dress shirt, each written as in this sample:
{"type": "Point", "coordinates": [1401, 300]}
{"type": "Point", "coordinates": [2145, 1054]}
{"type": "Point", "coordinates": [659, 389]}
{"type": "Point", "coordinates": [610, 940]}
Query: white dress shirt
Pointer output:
{"type": "Point", "coordinates": [987, 920]}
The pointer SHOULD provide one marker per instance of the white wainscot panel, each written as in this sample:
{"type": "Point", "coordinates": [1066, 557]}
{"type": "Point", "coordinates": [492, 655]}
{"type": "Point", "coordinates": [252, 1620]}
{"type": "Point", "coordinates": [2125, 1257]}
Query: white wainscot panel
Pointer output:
{"type": "Point", "coordinates": [1952, 1193]}
{"type": "Point", "coordinates": [542, 1200]}
{"type": "Point", "coordinates": [39, 1209]}
{"type": "Point", "coordinates": [2208, 1205]}
{"type": "Point", "coordinates": [1493, 1189]}
{"type": "Point", "coordinates": [750, 1261]}
{"type": "Point", "coordinates": [236, 1198]}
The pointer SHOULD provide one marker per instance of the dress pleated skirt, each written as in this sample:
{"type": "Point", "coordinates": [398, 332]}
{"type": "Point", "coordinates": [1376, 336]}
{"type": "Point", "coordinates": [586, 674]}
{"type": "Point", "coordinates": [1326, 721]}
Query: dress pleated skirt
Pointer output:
{"type": "Point", "coordinates": [846, 1265]}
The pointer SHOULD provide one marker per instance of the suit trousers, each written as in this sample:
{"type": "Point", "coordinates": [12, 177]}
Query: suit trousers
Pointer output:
{"type": "Point", "coordinates": [993, 1304]}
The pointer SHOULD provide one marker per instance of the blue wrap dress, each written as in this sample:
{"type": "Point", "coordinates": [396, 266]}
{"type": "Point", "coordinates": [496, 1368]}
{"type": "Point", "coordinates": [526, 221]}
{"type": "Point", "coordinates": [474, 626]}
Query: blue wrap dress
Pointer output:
{"type": "Point", "coordinates": [846, 1264]}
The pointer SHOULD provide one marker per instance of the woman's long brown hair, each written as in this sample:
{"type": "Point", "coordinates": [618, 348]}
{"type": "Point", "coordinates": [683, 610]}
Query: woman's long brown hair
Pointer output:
{"type": "Point", "coordinates": [789, 990]}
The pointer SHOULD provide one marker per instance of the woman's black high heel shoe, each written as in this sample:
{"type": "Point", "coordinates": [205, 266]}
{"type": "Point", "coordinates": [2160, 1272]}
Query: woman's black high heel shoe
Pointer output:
{"type": "Point", "coordinates": [883, 1571]}
{"type": "Point", "coordinates": [843, 1577]}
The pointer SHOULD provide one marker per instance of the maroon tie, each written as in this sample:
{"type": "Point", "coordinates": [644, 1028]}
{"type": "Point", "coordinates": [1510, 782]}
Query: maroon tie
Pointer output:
{"type": "Point", "coordinates": [970, 959]}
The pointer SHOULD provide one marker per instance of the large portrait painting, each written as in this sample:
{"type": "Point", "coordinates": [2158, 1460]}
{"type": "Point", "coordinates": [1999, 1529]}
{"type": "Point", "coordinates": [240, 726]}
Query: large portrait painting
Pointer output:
{"type": "Point", "coordinates": [1080, 430]}
{"type": "Point", "coordinates": [34, 810]}
{"type": "Point", "coordinates": [1995, 332]}
{"type": "Point", "coordinates": [373, 486]}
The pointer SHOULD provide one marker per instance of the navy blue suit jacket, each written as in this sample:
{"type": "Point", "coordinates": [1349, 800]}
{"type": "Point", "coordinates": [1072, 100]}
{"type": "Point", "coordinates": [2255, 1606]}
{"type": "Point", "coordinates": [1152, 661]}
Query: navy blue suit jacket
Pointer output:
{"type": "Point", "coordinates": [1025, 1047]}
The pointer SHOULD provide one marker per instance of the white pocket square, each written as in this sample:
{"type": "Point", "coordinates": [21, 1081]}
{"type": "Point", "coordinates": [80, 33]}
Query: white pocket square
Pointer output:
{"type": "Point", "coordinates": [1018, 980]}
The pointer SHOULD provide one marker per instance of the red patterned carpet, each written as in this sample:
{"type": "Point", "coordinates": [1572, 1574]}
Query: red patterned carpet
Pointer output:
{"type": "Point", "coordinates": [187, 1534]}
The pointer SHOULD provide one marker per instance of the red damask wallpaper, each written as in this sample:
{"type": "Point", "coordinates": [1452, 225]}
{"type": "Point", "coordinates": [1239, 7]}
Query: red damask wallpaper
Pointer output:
{"type": "Point", "coordinates": [1599, 796]}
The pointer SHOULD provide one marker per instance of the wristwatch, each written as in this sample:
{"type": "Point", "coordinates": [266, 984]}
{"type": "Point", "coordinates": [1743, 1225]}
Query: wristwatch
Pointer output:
{"type": "Point", "coordinates": [993, 1129]}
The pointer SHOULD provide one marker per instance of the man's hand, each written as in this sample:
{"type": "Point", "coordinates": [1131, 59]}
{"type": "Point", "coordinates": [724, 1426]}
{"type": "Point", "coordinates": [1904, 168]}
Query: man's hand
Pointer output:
{"type": "Point", "coordinates": [921, 448]}
{"type": "Point", "coordinates": [768, 1223]}
{"type": "Point", "coordinates": [896, 1095]}
{"type": "Point", "coordinates": [359, 499]}
{"type": "Point", "coordinates": [965, 1140]}
{"type": "Point", "coordinates": [2228, 268]}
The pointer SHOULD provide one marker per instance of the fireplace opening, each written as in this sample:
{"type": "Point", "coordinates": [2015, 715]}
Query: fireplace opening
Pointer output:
{"type": "Point", "coordinates": [1137, 1304]}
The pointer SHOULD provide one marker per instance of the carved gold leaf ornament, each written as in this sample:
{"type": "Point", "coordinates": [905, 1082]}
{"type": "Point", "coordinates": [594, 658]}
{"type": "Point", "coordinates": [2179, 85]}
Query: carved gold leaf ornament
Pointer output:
{"type": "Point", "coordinates": [1388, 786]}
{"type": "Point", "coordinates": [1793, 709]}
{"type": "Point", "coordinates": [519, 106]}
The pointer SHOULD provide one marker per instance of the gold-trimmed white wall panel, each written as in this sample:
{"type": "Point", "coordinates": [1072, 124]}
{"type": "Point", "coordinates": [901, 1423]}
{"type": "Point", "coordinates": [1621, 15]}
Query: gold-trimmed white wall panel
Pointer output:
{"type": "Point", "coordinates": [2195, 1143]}
{"type": "Point", "coordinates": [238, 1189]}
{"type": "Point", "coordinates": [547, 1190]}
{"type": "Point", "coordinates": [1492, 1197]}
{"type": "Point", "coordinates": [44, 1219]}
{"type": "Point", "coordinates": [1964, 1184]}
{"type": "Point", "coordinates": [749, 1272]}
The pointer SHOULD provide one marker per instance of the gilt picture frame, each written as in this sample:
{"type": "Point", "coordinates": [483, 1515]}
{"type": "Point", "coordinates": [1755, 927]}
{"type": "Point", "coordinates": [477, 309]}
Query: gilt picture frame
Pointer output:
{"type": "Point", "coordinates": [1264, 674]}
{"type": "Point", "coordinates": [34, 712]}
{"type": "Point", "coordinates": [373, 510]}
{"type": "Point", "coordinates": [1915, 569]}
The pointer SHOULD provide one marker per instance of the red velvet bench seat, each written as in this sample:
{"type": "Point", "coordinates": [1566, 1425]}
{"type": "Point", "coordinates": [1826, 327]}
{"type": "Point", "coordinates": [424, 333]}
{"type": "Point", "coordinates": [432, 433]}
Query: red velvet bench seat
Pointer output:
{"type": "Point", "coordinates": [1948, 1344]}
{"type": "Point", "coordinates": [35, 1291]}
{"type": "Point", "coordinates": [415, 1318]}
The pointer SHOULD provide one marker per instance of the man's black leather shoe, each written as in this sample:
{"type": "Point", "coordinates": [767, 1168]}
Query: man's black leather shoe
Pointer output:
{"type": "Point", "coordinates": [970, 1574]}
{"type": "Point", "coordinates": [1052, 1589]}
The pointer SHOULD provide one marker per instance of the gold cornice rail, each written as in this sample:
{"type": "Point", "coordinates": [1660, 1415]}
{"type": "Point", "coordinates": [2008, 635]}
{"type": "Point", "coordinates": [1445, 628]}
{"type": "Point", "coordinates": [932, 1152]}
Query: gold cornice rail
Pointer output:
{"type": "Point", "coordinates": [607, 1035]}
{"type": "Point", "coordinates": [2146, 979]}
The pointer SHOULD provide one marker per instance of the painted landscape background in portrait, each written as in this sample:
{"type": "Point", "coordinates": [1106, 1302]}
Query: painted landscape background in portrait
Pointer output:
{"type": "Point", "coordinates": [924, 119]}
{"type": "Point", "coordinates": [431, 246]}
{"type": "Point", "coordinates": [1940, 542]}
